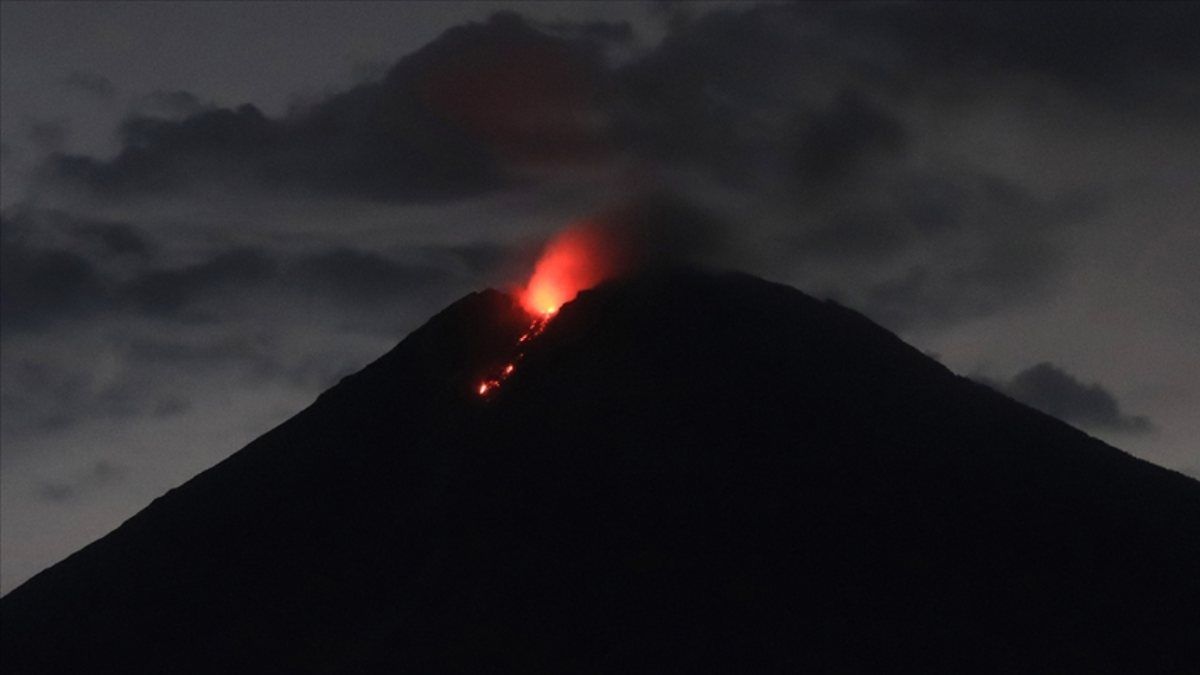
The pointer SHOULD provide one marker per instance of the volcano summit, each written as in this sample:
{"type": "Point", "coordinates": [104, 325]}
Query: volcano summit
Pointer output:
{"type": "Point", "coordinates": [686, 472]}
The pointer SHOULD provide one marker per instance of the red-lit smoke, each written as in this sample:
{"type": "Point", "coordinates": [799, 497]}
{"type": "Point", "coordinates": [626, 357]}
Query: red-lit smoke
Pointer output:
{"type": "Point", "coordinates": [647, 232]}
{"type": "Point", "coordinates": [578, 258]}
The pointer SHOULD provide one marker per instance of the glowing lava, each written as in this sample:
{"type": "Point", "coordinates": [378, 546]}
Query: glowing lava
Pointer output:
{"type": "Point", "coordinates": [489, 385]}
{"type": "Point", "coordinates": [578, 258]}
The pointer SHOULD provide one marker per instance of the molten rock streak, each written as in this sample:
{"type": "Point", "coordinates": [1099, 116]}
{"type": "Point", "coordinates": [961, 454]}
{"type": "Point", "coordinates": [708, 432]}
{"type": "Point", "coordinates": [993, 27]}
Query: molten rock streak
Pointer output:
{"type": "Point", "coordinates": [490, 384]}
{"type": "Point", "coordinates": [578, 258]}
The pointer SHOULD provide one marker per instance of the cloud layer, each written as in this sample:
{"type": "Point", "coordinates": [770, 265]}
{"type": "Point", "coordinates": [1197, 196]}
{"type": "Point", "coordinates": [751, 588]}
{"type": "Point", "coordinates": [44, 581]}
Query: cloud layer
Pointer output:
{"type": "Point", "coordinates": [1056, 392]}
{"type": "Point", "coordinates": [812, 130]}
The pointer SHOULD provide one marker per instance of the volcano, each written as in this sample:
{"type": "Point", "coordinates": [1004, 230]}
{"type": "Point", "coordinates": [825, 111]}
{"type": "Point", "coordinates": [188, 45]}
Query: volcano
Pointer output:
{"type": "Point", "coordinates": [686, 472]}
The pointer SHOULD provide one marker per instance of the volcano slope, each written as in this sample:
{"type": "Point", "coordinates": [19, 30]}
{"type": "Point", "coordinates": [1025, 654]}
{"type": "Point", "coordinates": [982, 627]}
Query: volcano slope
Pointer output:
{"type": "Point", "coordinates": [687, 471]}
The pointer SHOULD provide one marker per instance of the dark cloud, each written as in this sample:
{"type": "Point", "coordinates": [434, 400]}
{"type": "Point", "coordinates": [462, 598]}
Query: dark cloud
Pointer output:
{"type": "Point", "coordinates": [169, 291]}
{"type": "Point", "coordinates": [44, 395]}
{"type": "Point", "coordinates": [172, 104]}
{"type": "Point", "coordinates": [61, 267]}
{"type": "Point", "coordinates": [526, 95]}
{"type": "Point", "coordinates": [837, 143]}
{"type": "Point", "coordinates": [52, 266]}
{"type": "Point", "coordinates": [234, 280]}
{"type": "Point", "coordinates": [808, 93]}
{"type": "Point", "coordinates": [984, 281]}
{"type": "Point", "coordinates": [168, 327]}
{"type": "Point", "coordinates": [483, 260]}
{"type": "Point", "coordinates": [99, 326]}
{"type": "Point", "coordinates": [115, 239]}
{"type": "Point", "coordinates": [49, 135]}
{"type": "Point", "coordinates": [696, 99]}
{"type": "Point", "coordinates": [91, 83]}
{"type": "Point", "coordinates": [602, 32]}
{"type": "Point", "coordinates": [920, 248]}
{"type": "Point", "coordinates": [808, 100]}
{"type": "Point", "coordinates": [370, 71]}
{"type": "Point", "coordinates": [39, 284]}
{"type": "Point", "coordinates": [1129, 54]}
{"type": "Point", "coordinates": [660, 229]}
{"type": "Point", "coordinates": [440, 124]}
{"type": "Point", "coordinates": [255, 356]}
{"type": "Point", "coordinates": [719, 90]}
{"type": "Point", "coordinates": [348, 275]}
{"type": "Point", "coordinates": [98, 475]}
{"type": "Point", "coordinates": [809, 85]}
{"type": "Point", "coordinates": [804, 110]}
{"type": "Point", "coordinates": [104, 325]}
{"type": "Point", "coordinates": [1056, 392]}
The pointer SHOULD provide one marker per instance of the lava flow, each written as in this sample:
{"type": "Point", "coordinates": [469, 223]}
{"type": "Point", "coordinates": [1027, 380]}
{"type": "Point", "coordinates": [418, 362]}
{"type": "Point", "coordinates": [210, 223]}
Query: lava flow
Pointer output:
{"type": "Point", "coordinates": [489, 385]}
{"type": "Point", "coordinates": [578, 258]}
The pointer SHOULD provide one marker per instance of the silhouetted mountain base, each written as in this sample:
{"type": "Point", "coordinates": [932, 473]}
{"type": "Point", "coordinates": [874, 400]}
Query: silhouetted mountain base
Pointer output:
{"type": "Point", "coordinates": [689, 472]}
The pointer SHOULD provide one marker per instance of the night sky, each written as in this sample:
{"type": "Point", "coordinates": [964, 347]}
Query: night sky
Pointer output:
{"type": "Point", "coordinates": [212, 212]}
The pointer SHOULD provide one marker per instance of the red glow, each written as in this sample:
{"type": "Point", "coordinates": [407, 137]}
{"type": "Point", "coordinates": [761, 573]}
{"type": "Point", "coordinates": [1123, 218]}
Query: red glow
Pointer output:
{"type": "Point", "coordinates": [489, 386]}
{"type": "Point", "coordinates": [578, 258]}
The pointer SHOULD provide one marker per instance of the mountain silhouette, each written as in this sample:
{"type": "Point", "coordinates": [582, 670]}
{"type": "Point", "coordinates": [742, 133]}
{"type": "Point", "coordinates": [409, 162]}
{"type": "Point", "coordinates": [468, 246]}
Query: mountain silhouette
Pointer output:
{"type": "Point", "coordinates": [686, 472]}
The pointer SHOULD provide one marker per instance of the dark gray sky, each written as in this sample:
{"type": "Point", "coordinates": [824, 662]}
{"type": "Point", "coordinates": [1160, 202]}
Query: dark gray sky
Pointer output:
{"type": "Point", "coordinates": [212, 211]}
